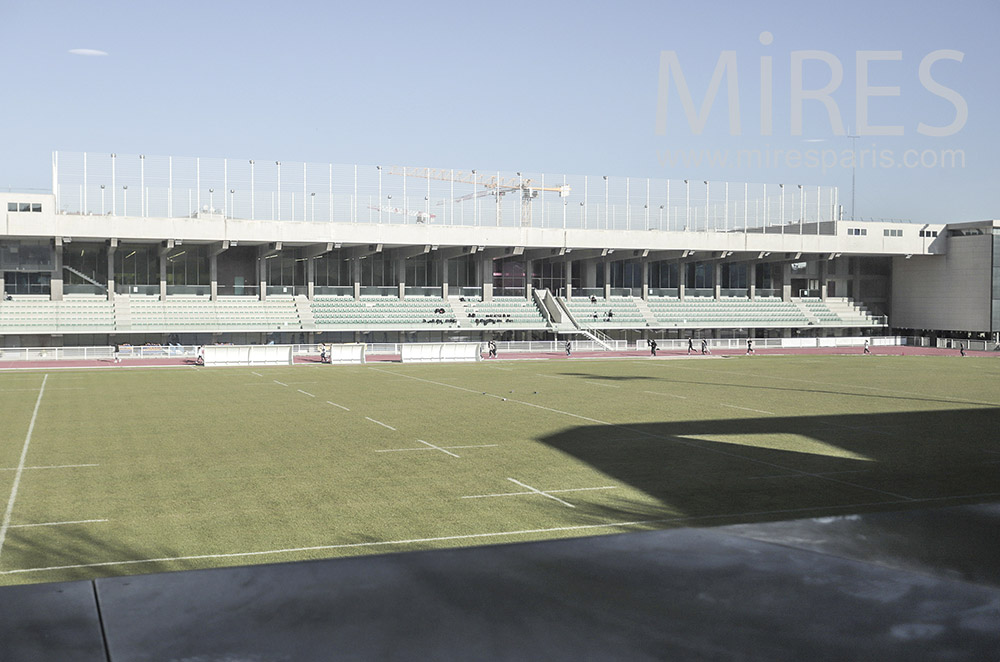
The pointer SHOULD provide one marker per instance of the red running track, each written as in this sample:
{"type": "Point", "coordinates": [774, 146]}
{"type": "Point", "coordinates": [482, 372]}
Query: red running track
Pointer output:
{"type": "Point", "coordinates": [509, 356]}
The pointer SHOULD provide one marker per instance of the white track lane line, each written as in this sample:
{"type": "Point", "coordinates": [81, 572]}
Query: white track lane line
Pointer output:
{"type": "Point", "coordinates": [305, 393]}
{"type": "Point", "coordinates": [438, 448]}
{"type": "Point", "coordinates": [759, 411]}
{"type": "Point", "coordinates": [257, 373]}
{"type": "Point", "coordinates": [572, 489]}
{"type": "Point", "coordinates": [336, 405]}
{"type": "Point", "coordinates": [402, 450]}
{"type": "Point", "coordinates": [380, 423]}
{"type": "Point", "coordinates": [20, 466]}
{"type": "Point", "coordinates": [669, 395]}
{"type": "Point", "coordinates": [495, 534]}
{"type": "Point", "coordinates": [280, 383]}
{"type": "Point", "coordinates": [54, 466]}
{"type": "Point", "coordinates": [544, 494]}
{"type": "Point", "coordinates": [79, 521]}
{"type": "Point", "coordinates": [601, 384]}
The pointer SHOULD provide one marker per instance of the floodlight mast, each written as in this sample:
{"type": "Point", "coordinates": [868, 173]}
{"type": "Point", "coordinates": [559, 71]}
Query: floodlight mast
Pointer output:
{"type": "Point", "coordinates": [496, 186]}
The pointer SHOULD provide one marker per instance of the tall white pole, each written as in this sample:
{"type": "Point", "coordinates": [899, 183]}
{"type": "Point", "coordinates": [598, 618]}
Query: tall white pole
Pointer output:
{"type": "Point", "coordinates": [707, 198]}
{"type": "Point", "coordinates": [668, 205]}
{"type": "Point", "coordinates": [84, 210]}
{"type": "Point", "coordinates": [746, 200]}
{"type": "Point", "coordinates": [114, 195]}
{"type": "Point", "coordinates": [607, 201]}
{"type": "Point", "coordinates": [225, 187]}
{"type": "Point", "coordinates": [142, 185]}
{"type": "Point", "coordinates": [380, 203]}
{"type": "Point", "coordinates": [687, 204]}
{"type": "Point", "coordinates": [781, 187]}
{"type": "Point", "coordinates": [305, 195]}
{"type": "Point", "coordinates": [198, 183]}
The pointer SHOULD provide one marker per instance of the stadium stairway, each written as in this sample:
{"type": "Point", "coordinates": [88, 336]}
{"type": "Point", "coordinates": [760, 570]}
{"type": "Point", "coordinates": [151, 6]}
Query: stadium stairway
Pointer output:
{"type": "Point", "coordinates": [123, 313]}
{"type": "Point", "coordinates": [304, 309]}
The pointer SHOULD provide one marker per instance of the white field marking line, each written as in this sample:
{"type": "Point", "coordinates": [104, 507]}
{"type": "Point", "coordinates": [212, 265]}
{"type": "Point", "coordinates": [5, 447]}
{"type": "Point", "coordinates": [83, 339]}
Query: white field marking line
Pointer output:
{"type": "Point", "coordinates": [669, 395]}
{"type": "Point", "coordinates": [257, 373]}
{"type": "Point", "coordinates": [336, 405]}
{"type": "Point", "coordinates": [538, 374]}
{"type": "Point", "coordinates": [573, 489]}
{"type": "Point", "coordinates": [379, 423]}
{"type": "Point", "coordinates": [600, 384]}
{"type": "Point", "coordinates": [20, 466]}
{"type": "Point", "coordinates": [438, 448]}
{"type": "Point", "coordinates": [544, 494]}
{"type": "Point", "coordinates": [54, 466]}
{"type": "Point", "coordinates": [400, 450]}
{"type": "Point", "coordinates": [495, 534]}
{"type": "Point", "coordinates": [79, 521]}
{"type": "Point", "coordinates": [280, 383]}
{"type": "Point", "coordinates": [305, 393]}
{"type": "Point", "coordinates": [54, 388]}
{"type": "Point", "coordinates": [759, 411]}
{"type": "Point", "coordinates": [710, 449]}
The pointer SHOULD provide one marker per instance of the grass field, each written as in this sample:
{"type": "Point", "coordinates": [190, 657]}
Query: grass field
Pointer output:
{"type": "Point", "coordinates": [124, 471]}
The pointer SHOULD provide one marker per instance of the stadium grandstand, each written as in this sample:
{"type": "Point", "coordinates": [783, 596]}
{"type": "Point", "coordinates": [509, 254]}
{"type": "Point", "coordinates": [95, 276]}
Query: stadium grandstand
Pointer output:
{"type": "Point", "coordinates": [136, 249]}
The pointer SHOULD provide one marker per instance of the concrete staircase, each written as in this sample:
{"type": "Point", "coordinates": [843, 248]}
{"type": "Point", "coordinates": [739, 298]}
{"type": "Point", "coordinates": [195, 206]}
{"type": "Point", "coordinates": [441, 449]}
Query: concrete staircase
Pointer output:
{"type": "Point", "coordinates": [123, 313]}
{"type": "Point", "coordinates": [643, 307]}
{"type": "Point", "coordinates": [304, 309]}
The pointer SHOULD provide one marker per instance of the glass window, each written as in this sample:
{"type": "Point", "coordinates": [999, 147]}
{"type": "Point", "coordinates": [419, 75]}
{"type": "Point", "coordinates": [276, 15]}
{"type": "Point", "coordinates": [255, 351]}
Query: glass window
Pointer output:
{"type": "Point", "coordinates": [11, 206]}
{"type": "Point", "coordinates": [24, 206]}
{"type": "Point", "coordinates": [36, 206]}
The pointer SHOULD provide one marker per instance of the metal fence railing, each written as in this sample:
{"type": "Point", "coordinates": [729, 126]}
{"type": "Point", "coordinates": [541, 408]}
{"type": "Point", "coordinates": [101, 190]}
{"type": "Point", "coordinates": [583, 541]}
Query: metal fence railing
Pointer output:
{"type": "Point", "coordinates": [184, 187]}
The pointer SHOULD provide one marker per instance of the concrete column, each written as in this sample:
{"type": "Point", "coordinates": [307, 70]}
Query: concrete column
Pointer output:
{"type": "Point", "coordinates": [111, 271]}
{"type": "Point", "coordinates": [442, 265]}
{"type": "Point", "coordinates": [356, 277]}
{"type": "Point", "coordinates": [528, 265]}
{"type": "Point", "coordinates": [401, 276]}
{"type": "Point", "coordinates": [486, 276]}
{"type": "Point", "coordinates": [163, 275]}
{"type": "Point", "coordinates": [589, 274]}
{"type": "Point", "coordinates": [786, 281]}
{"type": "Point", "coordinates": [752, 280]}
{"type": "Point", "coordinates": [310, 277]}
{"type": "Point", "coordinates": [681, 280]}
{"type": "Point", "coordinates": [261, 277]}
{"type": "Point", "coordinates": [3, 284]}
{"type": "Point", "coordinates": [56, 279]}
{"type": "Point", "coordinates": [568, 273]}
{"type": "Point", "coordinates": [822, 280]}
{"type": "Point", "coordinates": [717, 280]}
{"type": "Point", "coordinates": [607, 279]}
{"type": "Point", "coordinates": [213, 275]}
{"type": "Point", "coordinates": [645, 280]}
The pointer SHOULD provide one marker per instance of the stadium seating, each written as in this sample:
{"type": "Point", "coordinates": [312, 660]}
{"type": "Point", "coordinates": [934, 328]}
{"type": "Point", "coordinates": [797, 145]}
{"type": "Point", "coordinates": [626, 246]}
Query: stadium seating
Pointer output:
{"type": "Point", "coordinates": [500, 313]}
{"type": "Point", "coordinates": [44, 316]}
{"type": "Point", "coordinates": [383, 313]}
{"type": "Point", "coordinates": [226, 314]}
{"type": "Point", "coordinates": [624, 313]}
{"type": "Point", "coordinates": [702, 313]}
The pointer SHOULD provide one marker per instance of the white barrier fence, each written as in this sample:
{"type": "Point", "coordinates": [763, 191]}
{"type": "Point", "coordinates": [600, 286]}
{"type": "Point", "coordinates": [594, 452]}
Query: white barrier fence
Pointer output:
{"type": "Point", "coordinates": [736, 344]}
{"type": "Point", "coordinates": [216, 355]}
{"type": "Point", "coordinates": [345, 354]}
{"type": "Point", "coordinates": [436, 352]}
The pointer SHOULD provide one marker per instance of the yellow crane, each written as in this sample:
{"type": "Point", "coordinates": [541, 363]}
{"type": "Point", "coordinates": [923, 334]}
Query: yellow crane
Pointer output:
{"type": "Point", "coordinates": [494, 185]}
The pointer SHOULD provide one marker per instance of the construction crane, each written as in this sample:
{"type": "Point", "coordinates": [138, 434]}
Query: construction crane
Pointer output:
{"type": "Point", "coordinates": [494, 185]}
{"type": "Point", "coordinates": [421, 216]}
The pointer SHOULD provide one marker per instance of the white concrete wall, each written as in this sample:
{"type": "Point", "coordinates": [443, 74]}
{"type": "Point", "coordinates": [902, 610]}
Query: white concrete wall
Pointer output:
{"type": "Point", "coordinates": [944, 292]}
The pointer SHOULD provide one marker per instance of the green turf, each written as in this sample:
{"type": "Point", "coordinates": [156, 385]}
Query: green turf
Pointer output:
{"type": "Point", "coordinates": [231, 466]}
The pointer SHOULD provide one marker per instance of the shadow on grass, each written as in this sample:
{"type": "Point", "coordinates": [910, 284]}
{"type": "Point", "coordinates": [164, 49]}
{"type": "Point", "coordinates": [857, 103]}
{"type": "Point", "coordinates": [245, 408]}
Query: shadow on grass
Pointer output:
{"type": "Point", "coordinates": [71, 552]}
{"type": "Point", "coordinates": [707, 473]}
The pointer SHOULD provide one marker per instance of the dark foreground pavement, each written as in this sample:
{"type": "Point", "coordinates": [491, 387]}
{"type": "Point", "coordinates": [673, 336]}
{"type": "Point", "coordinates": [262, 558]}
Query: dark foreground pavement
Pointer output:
{"type": "Point", "coordinates": [913, 585]}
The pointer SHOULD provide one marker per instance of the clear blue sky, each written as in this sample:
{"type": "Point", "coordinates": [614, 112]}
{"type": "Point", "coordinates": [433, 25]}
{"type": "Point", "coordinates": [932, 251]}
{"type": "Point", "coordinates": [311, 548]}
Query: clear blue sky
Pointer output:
{"type": "Point", "coordinates": [556, 87]}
